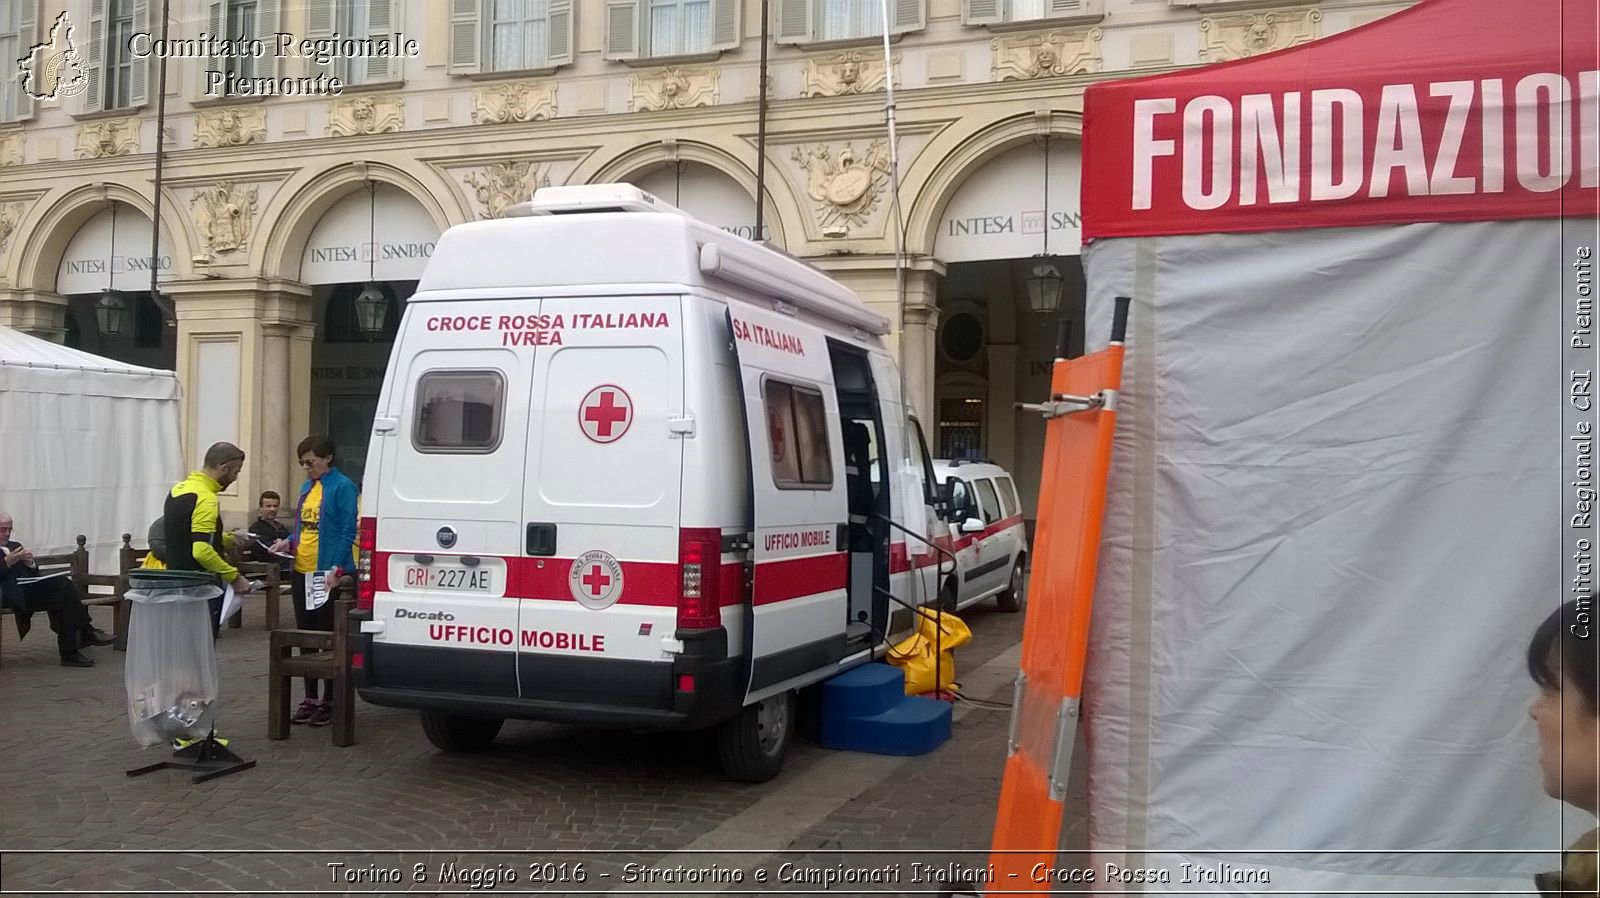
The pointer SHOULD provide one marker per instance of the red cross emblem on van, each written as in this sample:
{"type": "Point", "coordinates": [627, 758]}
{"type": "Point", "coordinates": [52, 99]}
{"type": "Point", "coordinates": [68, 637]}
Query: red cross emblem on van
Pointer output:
{"type": "Point", "coordinates": [596, 579]}
{"type": "Point", "coordinates": [605, 414]}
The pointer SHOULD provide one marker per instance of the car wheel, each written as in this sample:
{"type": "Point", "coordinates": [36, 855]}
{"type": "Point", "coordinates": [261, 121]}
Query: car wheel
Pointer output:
{"type": "Point", "coordinates": [1011, 600]}
{"type": "Point", "coordinates": [755, 742]}
{"type": "Point", "coordinates": [460, 734]}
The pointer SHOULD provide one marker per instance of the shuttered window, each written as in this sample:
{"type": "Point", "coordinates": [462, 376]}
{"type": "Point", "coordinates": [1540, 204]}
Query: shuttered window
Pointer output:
{"type": "Point", "coordinates": [356, 18]}
{"type": "Point", "coordinates": [645, 29]}
{"type": "Point", "coordinates": [17, 36]}
{"type": "Point", "coordinates": [509, 35]}
{"type": "Point", "coordinates": [995, 12]}
{"type": "Point", "coordinates": [816, 21]}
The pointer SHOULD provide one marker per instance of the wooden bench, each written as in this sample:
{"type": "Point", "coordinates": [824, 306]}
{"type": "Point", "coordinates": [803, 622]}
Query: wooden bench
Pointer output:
{"type": "Point", "coordinates": [131, 557]}
{"type": "Point", "coordinates": [93, 589]}
{"type": "Point", "coordinates": [331, 662]}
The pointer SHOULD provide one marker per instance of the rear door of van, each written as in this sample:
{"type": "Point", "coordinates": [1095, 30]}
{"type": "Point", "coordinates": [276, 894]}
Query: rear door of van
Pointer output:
{"type": "Point", "coordinates": [449, 499]}
{"type": "Point", "coordinates": [599, 581]}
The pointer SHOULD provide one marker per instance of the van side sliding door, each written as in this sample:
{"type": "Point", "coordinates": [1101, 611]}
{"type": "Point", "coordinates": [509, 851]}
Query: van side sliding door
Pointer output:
{"type": "Point", "coordinates": [798, 596]}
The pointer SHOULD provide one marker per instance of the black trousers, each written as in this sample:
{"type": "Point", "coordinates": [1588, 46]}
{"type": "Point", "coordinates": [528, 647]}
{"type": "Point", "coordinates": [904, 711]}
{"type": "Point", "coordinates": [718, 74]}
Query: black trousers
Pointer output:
{"type": "Point", "coordinates": [320, 619]}
{"type": "Point", "coordinates": [58, 599]}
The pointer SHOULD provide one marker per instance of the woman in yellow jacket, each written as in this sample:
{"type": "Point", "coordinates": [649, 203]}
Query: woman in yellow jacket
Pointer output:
{"type": "Point", "coordinates": [1562, 660]}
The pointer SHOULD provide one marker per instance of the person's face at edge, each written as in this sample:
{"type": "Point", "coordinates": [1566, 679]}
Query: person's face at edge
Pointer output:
{"type": "Point", "coordinates": [1569, 742]}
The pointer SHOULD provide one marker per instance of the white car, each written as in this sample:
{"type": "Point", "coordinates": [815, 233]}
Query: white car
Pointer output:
{"type": "Point", "coordinates": [987, 535]}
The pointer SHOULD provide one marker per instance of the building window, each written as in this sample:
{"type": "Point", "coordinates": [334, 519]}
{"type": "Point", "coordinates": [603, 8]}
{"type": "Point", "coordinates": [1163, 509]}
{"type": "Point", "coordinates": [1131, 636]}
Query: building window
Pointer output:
{"type": "Point", "coordinates": [459, 411]}
{"type": "Point", "coordinates": [519, 34]}
{"type": "Point", "coordinates": [148, 324]}
{"type": "Point", "coordinates": [242, 24]}
{"type": "Point", "coordinates": [996, 12]}
{"type": "Point", "coordinates": [961, 428]}
{"type": "Point", "coordinates": [797, 426]}
{"type": "Point", "coordinates": [804, 21]}
{"type": "Point", "coordinates": [119, 58]}
{"type": "Point", "coordinates": [14, 103]}
{"type": "Point", "coordinates": [346, 19]}
{"type": "Point", "coordinates": [679, 27]}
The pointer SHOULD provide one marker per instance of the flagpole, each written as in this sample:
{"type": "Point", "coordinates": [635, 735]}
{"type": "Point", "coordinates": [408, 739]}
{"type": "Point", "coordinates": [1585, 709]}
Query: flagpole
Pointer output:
{"type": "Point", "coordinates": [168, 313]}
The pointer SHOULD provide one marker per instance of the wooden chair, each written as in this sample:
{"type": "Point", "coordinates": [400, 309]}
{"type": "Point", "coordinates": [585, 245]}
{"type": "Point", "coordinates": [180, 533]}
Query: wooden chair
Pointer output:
{"type": "Point", "coordinates": [131, 557]}
{"type": "Point", "coordinates": [330, 662]}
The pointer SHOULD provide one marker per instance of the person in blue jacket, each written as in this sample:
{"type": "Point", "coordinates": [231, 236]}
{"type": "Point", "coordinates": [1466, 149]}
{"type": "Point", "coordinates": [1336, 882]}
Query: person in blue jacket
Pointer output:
{"type": "Point", "coordinates": [323, 539]}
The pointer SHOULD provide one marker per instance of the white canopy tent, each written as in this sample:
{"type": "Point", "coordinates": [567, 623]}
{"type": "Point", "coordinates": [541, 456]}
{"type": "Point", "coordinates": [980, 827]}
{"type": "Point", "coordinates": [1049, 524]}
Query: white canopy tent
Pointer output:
{"type": "Point", "coordinates": [87, 446]}
{"type": "Point", "coordinates": [1353, 467]}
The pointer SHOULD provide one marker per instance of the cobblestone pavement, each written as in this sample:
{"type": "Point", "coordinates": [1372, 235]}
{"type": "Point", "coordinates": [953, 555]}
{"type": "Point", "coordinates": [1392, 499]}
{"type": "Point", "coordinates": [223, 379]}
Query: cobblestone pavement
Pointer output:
{"type": "Point", "coordinates": [558, 791]}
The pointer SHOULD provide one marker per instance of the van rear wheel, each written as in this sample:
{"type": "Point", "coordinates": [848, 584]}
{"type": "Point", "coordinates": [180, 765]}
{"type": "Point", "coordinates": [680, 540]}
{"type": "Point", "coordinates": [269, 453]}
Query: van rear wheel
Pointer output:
{"type": "Point", "coordinates": [754, 743]}
{"type": "Point", "coordinates": [451, 733]}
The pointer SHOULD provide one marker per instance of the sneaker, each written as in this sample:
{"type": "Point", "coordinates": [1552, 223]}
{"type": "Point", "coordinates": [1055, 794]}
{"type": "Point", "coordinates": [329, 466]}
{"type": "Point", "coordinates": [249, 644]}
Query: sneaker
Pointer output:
{"type": "Point", "coordinates": [304, 713]}
{"type": "Point", "coordinates": [323, 715]}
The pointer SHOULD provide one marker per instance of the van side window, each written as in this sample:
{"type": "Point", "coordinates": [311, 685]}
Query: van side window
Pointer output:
{"type": "Point", "coordinates": [988, 499]}
{"type": "Point", "coordinates": [797, 424]}
{"type": "Point", "coordinates": [458, 411]}
{"type": "Point", "coordinates": [1008, 496]}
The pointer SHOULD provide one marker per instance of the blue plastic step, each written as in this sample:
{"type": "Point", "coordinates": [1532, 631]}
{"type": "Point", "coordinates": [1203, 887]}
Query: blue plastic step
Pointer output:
{"type": "Point", "coordinates": [864, 691]}
{"type": "Point", "coordinates": [914, 726]}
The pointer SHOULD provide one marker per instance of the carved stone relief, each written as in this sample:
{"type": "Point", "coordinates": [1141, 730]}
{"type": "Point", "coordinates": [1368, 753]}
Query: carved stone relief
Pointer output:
{"type": "Point", "coordinates": [845, 186]}
{"type": "Point", "coordinates": [11, 150]}
{"type": "Point", "coordinates": [230, 127]}
{"type": "Point", "coordinates": [501, 185]}
{"type": "Point", "coordinates": [223, 213]}
{"type": "Point", "coordinates": [10, 220]}
{"type": "Point", "coordinates": [514, 102]}
{"type": "Point", "coordinates": [1046, 55]}
{"type": "Point", "coordinates": [674, 88]}
{"type": "Point", "coordinates": [366, 115]}
{"type": "Point", "coordinates": [111, 137]}
{"type": "Point", "coordinates": [845, 74]}
{"type": "Point", "coordinates": [1252, 34]}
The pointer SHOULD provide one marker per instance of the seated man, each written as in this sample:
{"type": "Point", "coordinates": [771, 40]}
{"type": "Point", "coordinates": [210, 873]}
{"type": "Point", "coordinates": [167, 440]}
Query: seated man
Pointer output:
{"type": "Point", "coordinates": [57, 597]}
{"type": "Point", "coordinates": [268, 531]}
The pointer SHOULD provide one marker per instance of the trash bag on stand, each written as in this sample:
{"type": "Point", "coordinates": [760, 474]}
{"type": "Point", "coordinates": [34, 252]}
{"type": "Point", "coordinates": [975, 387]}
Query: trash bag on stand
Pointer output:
{"type": "Point", "coordinates": [916, 653]}
{"type": "Point", "coordinates": [171, 668]}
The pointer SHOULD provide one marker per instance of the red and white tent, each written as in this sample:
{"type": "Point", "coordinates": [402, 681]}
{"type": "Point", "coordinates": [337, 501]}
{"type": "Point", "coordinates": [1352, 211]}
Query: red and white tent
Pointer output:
{"type": "Point", "coordinates": [1352, 472]}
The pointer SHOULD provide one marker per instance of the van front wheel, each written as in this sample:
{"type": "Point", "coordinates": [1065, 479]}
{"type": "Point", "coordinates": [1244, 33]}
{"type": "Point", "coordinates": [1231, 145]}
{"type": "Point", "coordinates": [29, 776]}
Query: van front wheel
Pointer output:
{"type": "Point", "coordinates": [460, 734]}
{"type": "Point", "coordinates": [754, 743]}
{"type": "Point", "coordinates": [1011, 600]}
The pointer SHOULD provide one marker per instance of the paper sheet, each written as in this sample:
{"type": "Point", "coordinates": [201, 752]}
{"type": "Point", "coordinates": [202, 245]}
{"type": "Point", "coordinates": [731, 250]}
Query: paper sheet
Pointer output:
{"type": "Point", "coordinates": [26, 580]}
{"type": "Point", "coordinates": [230, 602]}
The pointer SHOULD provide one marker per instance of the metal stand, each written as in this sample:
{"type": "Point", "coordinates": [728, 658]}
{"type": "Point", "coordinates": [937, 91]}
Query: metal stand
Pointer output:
{"type": "Point", "coordinates": [206, 755]}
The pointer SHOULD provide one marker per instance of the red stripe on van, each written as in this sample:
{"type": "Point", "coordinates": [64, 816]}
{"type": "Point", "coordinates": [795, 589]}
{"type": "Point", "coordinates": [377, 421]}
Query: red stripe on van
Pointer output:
{"type": "Point", "coordinates": [900, 562]}
{"type": "Point", "coordinates": [794, 578]}
{"type": "Point", "coordinates": [649, 583]}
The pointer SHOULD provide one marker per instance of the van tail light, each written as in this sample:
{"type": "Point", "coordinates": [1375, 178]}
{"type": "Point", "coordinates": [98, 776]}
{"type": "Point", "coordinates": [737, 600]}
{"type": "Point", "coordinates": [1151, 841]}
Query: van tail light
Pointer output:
{"type": "Point", "coordinates": [700, 572]}
{"type": "Point", "coordinates": [367, 542]}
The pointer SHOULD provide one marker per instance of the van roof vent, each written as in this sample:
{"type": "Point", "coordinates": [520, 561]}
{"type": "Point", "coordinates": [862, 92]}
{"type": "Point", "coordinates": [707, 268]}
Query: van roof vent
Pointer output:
{"type": "Point", "coordinates": [591, 198]}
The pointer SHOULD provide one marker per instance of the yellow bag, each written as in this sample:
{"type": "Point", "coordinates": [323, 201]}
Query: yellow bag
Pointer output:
{"type": "Point", "coordinates": [915, 654]}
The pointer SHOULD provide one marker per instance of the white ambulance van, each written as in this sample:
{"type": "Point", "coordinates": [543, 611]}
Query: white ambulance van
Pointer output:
{"type": "Point", "coordinates": [631, 470]}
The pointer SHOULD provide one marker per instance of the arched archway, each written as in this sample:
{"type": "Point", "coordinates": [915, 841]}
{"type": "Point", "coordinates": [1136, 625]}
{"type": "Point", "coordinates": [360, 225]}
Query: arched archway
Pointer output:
{"type": "Point", "coordinates": [703, 180]}
{"type": "Point", "coordinates": [303, 202]}
{"type": "Point", "coordinates": [92, 244]}
{"type": "Point", "coordinates": [35, 264]}
{"type": "Point", "coordinates": [342, 231]}
{"type": "Point", "coordinates": [1001, 202]}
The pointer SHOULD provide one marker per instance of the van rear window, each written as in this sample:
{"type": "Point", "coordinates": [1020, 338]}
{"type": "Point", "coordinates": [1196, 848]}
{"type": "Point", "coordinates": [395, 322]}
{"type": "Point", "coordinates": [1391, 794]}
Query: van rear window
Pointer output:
{"type": "Point", "coordinates": [797, 425]}
{"type": "Point", "coordinates": [459, 411]}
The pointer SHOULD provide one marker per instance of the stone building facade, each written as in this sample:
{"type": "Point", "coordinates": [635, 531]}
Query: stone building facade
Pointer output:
{"type": "Point", "coordinates": [277, 210]}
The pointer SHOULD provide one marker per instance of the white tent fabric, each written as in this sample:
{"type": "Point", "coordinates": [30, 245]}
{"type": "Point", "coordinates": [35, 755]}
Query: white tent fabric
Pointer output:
{"type": "Point", "coordinates": [1354, 438]}
{"type": "Point", "coordinates": [87, 446]}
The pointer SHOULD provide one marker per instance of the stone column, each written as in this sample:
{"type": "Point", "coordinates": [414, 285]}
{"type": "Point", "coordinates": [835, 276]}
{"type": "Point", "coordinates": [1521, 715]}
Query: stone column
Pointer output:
{"type": "Point", "coordinates": [235, 365]}
{"type": "Point", "coordinates": [36, 312]}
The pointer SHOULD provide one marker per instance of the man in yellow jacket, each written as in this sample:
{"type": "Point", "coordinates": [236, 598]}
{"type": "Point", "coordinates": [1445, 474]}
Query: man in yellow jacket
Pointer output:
{"type": "Point", "coordinates": [192, 523]}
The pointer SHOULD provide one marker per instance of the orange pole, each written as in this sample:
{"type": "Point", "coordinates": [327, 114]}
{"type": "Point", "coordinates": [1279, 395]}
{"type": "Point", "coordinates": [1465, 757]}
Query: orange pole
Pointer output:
{"type": "Point", "coordinates": [1055, 636]}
